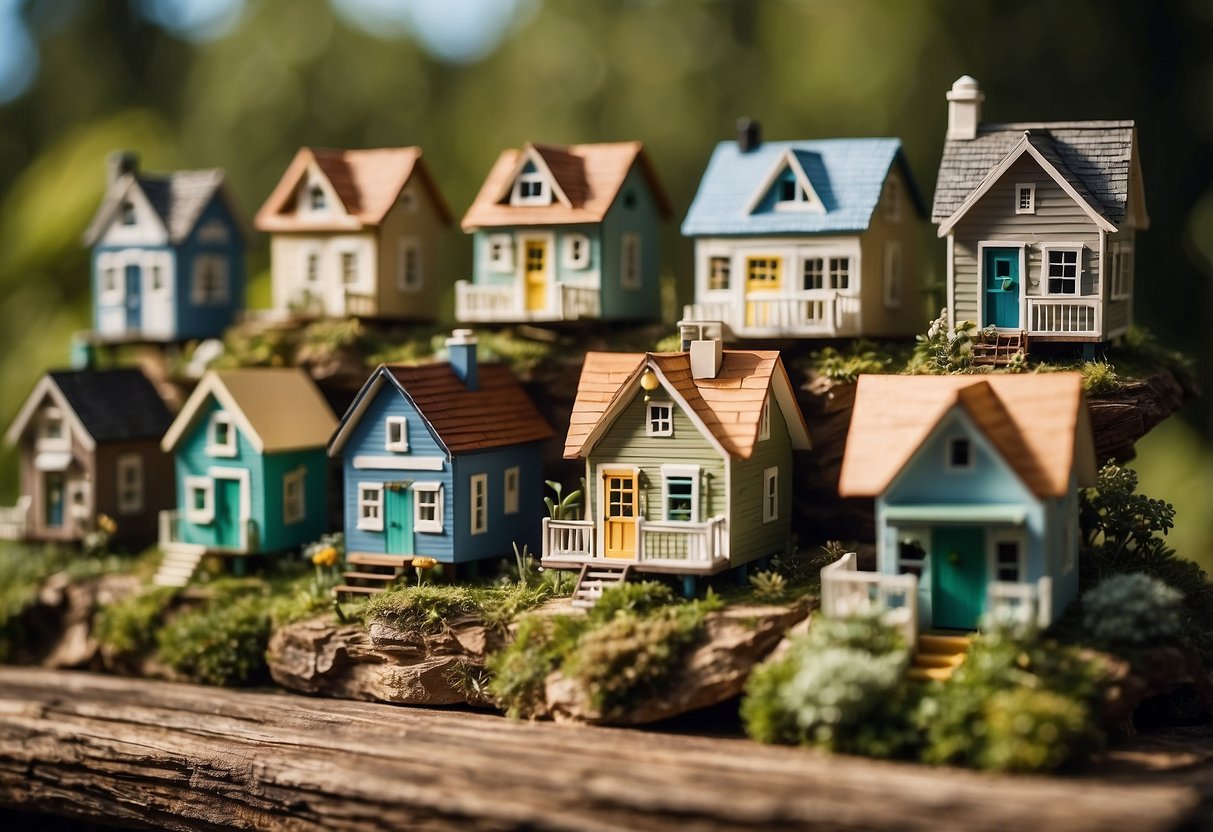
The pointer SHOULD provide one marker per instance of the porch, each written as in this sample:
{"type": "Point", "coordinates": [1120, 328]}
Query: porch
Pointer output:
{"type": "Point", "coordinates": [1065, 318]}
{"type": "Point", "coordinates": [822, 313]}
{"type": "Point", "coordinates": [661, 546]}
{"type": "Point", "coordinates": [506, 304]}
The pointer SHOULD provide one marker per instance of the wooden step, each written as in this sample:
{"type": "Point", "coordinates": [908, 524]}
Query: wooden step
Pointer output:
{"type": "Point", "coordinates": [372, 559]}
{"type": "Point", "coordinates": [383, 577]}
{"type": "Point", "coordinates": [939, 659]}
{"type": "Point", "coordinates": [358, 590]}
{"type": "Point", "coordinates": [929, 674]}
{"type": "Point", "coordinates": [934, 643]}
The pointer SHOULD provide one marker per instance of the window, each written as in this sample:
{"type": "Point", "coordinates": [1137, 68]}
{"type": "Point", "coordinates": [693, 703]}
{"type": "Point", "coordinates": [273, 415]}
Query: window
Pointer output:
{"type": "Point", "coordinates": [892, 200]}
{"type": "Point", "coordinates": [130, 483]}
{"type": "Point", "coordinates": [129, 217]}
{"type": "Point", "coordinates": [317, 200]}
{"type": "Point", "coordinates": [501, 252]}
{"type": "Point", "coordinates": [629, 274]}
{"type": "Point", "coordinates": [530, 188]}
{"type": "Point", "coordinates": [313, 267]}
{"type": "Point", "coordinates": [50, 429]}
{"type": "Point", "coordinates": [960, 454]}
{"type": "Point", "coordinates": [1025, 198]}
{"type": "Point", "coordinates": [294, 507]}
{"type": "Point", "coordinates": [510, 489]}
{"type": "Point", "coordinates": [814, 273]}
{"type": "Point", "coordinates": [1006, 560]}
{"type": "Point", "coordinates": [660, 419]}
{"type": "Point", "coordinates": [427, 507]}
{"type": "Point", "coordinates": [111, 285]}
{"type": "Point", "coordinates": [1121, 270]}
{"type": "Point", "coordinates": [157, 277]}
{"type": "Point", "coordinates": [396, 430]}
{"type": "Point", "coordinates": [840, 272]}
{"type": "Point", "coordinates": [480, 503]}
{"type": "Point", "coordinates": [764, 420]}
{"type": "Point", "coordinates": [680, 493]}
{"type": "Point", "coordinates": [213, 232]}
{"type": "Point", "coordinates": [576, 251]}
{"type": "Point", "coordinates": [911, 557]}
{"type": "Point", "coordinates": [1061, 271]}
{"type": "Point", "coordinates": [408, 265]}
{"type": "Point", "coordinates": [199, 500]}
{"type": "Point", "coordinates": [629, 199]}
{"type": "Point", "coordinates": [892, 274]}
{"type": "Point", "coordinates": [370, 506]}
{"type": "Point", "coordinates": [718, 273]}
{"type": "Point", "coordinates": [349, 267]}
{"type": "Point", "coordinates": [763, 272]}
{"type": "Point", "coordinates": [790, 190]}
{"type": "Point", "coordinates": [770, 495]}
{"type": "Point", "coordinates": [221, 435]}
{"type": "Point", "coordinates": [210, 279]}
{"type": "Point", "coordinates": [408, 200]}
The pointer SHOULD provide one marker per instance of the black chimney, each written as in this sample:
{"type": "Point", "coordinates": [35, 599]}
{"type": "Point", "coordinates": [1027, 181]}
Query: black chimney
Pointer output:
{"type": "Point", "coordinates": [119, 163]}
{"type": "Point", "coordinates": [749, 135]}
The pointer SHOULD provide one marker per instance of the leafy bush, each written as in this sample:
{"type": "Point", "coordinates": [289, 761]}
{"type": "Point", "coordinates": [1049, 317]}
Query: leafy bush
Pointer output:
{"type": "Point", "coordinates": [1132, 610]}
{"type": "Point", "coordinates": [128, 626]}
{"type": "Point", "coordinates": [1032, 730]}
{"type": "Point", "coordinates": [221, 644]}
{"type": "Point", "coordinates": [944, 349]}
{"type": "Point", "coordinates": [518, 671]}
{"type": "Point", "coordinates": [638, 598]}
{"type": "Point", "coordinates": [1099, 377]}
{"type": "Point", "coordinates": [862, 357]}
{"type": "Point", "coordinates": [769, 586]}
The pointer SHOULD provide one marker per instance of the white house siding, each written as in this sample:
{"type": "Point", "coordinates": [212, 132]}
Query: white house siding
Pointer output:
{"type": "Point", "coordinates": [289, 255]}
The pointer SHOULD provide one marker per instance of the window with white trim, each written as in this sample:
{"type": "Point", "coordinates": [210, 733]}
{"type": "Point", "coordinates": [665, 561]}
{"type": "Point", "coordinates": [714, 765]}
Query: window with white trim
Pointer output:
{"type": "Point", "coordinates": [659, 419]}
{"type": "Point", "coordinates": [719, 269]}
{"type": "Point", "coordinates": [770, 495]}
{"type": "Point", "coordinates": [510, 489]}
{"type": "Point", "coordinates": [892, 274]}
{"type": "Point", "coordinates": [1025, 198]}
{"type": "Point", "coordinates": [112, 288]}
{"type": "Point", "coordinates": [680, 493]}
{"type": "Point", "coordinates": [157, 277]}
{"type": "Point", "coordinates": [840, 272]}
{"type": "Point", "coordinates": [408, 265]}
{"type": "Point", "coordinates": [312, 269]}
{"type": "Point", "coordinates": [788, 190]}
{"type": "Point", "coordinates": [531, 188]}
{"type": "Point", "coordinates": [960, 454]}
{"type": "Point", "coordinates": [501, 252]}
{"type": "Point", "coordinates": [51, 431]}
{"type": "Point", "coordinates": [210, 281]}
{"type": "Point", "coordinates": [349, 267]}
{"type": "Point", "coordinates": [813, 271]}
{"type": "Point", "coordinates": [427, 507]}
{"type": "Point", "coordinates": [1006, 561]}
{"type": "Point", "coordinates": [911, 556]}
{"type": "Point", "coordinates": [317, 200]}
{"type": "Point", "coordinates": [370, 506]}
{"type": "Point", "coordinates": [576, 251]}
{"type": "Point", "coordinates": [129, 473]}
{"type": "Point", "coordinates": [892, 199]}
{"type": "Point", "coordinates": [129, 216]}
{"type": "Point", "coordinates": [1121, 270]}
{"type": "Point", "coordinates": [764, 420]}
{"type": "Point", "coordinates": [221, 435]}
{"type": "Point", "coordinates": [629, 260]}
{"type": "Point", "coordinates": [199, 500]}
{"type": "Point", "coordinates": [294, 506]}
{"type": "Point", "coordinates": [479, 504]}
{"type": "Point", "coordinates": [1063, 267]}
{"type": "Point", "coordinates": [396, 435]}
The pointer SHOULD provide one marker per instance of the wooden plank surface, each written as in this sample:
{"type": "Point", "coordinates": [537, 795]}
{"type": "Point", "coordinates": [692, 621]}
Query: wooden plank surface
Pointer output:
{"type": "Point", "coordinates": [153, 754]}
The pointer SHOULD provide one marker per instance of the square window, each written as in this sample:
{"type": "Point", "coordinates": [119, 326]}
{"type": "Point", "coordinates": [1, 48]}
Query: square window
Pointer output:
{"type": "Point", "coordinates": [221, 439]}
{"type": "Point", "coordinates": [660, 419]}
{"type": "Point", "coordinates": [718, 273]}
{"type": "Point", "coordinates": [427, 507]}
{"type": "Point", "coordinates": [1061, 269]}
{"type": "Point", "coordinates": [840, 272]}
{"type": "Point", "coordinates": [960, 454]}
{"type": "Point", "coordinates": [396, 430]}
{"type": "Point", "coordinates": [814, 273]}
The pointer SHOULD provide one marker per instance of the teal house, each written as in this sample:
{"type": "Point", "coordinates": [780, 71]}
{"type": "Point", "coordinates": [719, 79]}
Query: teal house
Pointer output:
{"type": "Point", "coordinates": [976, 484]}
{"type": "Point", "coordinates": [251, 470]}
{"type": "Point", "coordinates": [563, 233]}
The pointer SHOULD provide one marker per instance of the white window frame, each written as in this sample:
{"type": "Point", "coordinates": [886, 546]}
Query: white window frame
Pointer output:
{"type": "Point", "coordinates": [129, 213]}
{"type": "Point", "coordinates": [831, 274]}
{"type": "Point", "coordinates": [649, 429]}
{"type": "Point", "coordinates": [727, 262]}
{"type": "Point", "coordinates": [311, 267]}
{"type": "Point", "coordinates": [400, 445]}
{"type": "Point", "coordinates": [511, 481]}
{"type": "Point", "coordinates": [823, 274]}
{"type": "Point", "coordinates": [500, 252]}
{"type": "Point", "coordinates": [130, 495]}
{"type": "Point", "coordinates": [366, 522]}
{"type": "Point", "coordinates": [770, 494]}
{"type": "Point", "coordinates": [892, 199]}
{"type": "Point", "coordinates": [433, 493]}
{"type": "Point", "coordinates": [294, 509]}
{"type": "Point", "coordinates": [478, 515]}
{"type": "Point", "coordinates": [997, 536]}
{"type": "Point", "coordinates": [313, 189]}
{"type": "Point", "coordinates": [681, 471]}
{"type": "Point", "coordinates": [1045, 251]}
{"type": "Point", "coordinates": [949, 465]}
{"type": "Point", "coordinates": [200, 516]}
{"type": "Point", "coordinates": [217, 293]}
{"type": "Point", "coordinates": [214, 447]}
{"type": "Point", "coordinates": [405, 246]}
{"type": "Point", "coordinates": [630, 265]}
{"type": "Point", "coordinates": [43, 442]}
{"type": "Point", "coordinates": [892, 274]}
{"type": "Point", "coordinates": [764, 420]}
{"type": "Point", "coordinates": [542, 196]}
{"type": "Point", "coordinates": [575, 251]}
{"type": "Point", "coordinates": [1030, 187]}
{"type": "Point", "coordinates": [349, 276]}
{"type": "Point", "coordinates": [1120, 270]}
{"type": "Point", "coordinates": [110, 265]}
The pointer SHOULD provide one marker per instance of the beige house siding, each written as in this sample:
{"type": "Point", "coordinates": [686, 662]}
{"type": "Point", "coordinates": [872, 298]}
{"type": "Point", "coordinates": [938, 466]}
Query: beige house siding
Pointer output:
{"type": "Point", "coordinates": [908, 316]}
{"type": "Point", "coordinates": [420, 222]}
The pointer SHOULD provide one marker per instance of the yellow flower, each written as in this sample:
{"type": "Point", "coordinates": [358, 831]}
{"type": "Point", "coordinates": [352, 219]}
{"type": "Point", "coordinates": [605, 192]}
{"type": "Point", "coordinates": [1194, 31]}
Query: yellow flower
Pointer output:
{"type": "Point", "coordinates": [424, 563]}
{"type": "Point", "coordinates": [325, 557]}
{"type": "Point", "coordinates": [106, 523]}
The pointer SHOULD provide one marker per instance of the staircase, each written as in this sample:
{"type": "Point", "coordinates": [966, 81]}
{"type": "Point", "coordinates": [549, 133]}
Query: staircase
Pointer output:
{"type": "Point", "coordinates": [1002, 350]}
{"type": "Point", "coordinates": [178, 566]}
{"type": "Point", "coordinates": [371, 574]}
{"type": "Point", "coordinates": [594, 578]}
{"type": "Point", "coordinates": [937, 657]}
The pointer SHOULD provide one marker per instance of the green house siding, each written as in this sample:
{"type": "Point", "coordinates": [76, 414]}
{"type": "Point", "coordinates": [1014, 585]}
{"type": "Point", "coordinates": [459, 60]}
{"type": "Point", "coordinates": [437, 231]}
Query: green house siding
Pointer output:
{"type": "Point", "coordinates": [276, 534]}
{"type": "Point", "coordinates": [750, 537]}
{"type": "Point", "coordinates": [483, 274]}
{"type": "Point", "coordinates": [637, 215]}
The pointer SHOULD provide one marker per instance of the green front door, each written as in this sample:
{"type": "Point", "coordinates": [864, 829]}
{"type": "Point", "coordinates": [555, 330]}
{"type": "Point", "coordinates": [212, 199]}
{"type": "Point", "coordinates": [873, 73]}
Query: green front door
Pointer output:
{"type": "Point", "coordinates": [958, 576]}
{"type": "Point", "coordinates": [1002, 287]}
{"type": "Point", "coordinates": [398, 516]}
{"type": "Point", "coordinates": [227, 512]}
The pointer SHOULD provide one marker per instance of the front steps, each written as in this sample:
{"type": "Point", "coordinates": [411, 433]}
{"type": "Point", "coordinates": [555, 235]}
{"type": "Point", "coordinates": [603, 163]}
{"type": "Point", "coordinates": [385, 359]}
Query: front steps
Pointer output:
{"type": "Point", "coordinates": [178, 566]}
{"type": "Point", "coordinates": [937, 657]}
{"type": "Point", "coordinates": [594, 578]}
{"type": "Point", "coordinates": [371, 574]}
{"type": "Point", "coordinates": [1002, 350]}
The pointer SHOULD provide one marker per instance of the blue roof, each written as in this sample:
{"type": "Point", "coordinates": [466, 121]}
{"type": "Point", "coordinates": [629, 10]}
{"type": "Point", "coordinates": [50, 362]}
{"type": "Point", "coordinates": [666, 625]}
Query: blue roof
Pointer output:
{"type": "Point", "coordinates": [847, 174]}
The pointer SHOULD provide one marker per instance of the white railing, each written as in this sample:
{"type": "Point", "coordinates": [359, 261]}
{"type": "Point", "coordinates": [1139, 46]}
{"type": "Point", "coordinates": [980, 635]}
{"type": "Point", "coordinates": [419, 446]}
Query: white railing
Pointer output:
{"type": "Point", "coordinates": [13, 519]}
{"type": "Point", "coordinates": [501, 303]}
{"type": "Point", "coordinates": [360, 305]}
{"type": "Point", "coordinates": [847, 591]}
{"type": "Point", "coordinates": [656, 540]}
{"type": "Point", "coordinates": [170, 534]}
{"type": "Point", "coordinates": [1023, 603]}
{"type": "Point", "coordinates": [575, 302]}
{"type": "Point", "coordinates": [1065, 316]}
{"type": "Point", "coordinates": [568, 538]}
{"type": "Point", "coordinates": [815, 312]}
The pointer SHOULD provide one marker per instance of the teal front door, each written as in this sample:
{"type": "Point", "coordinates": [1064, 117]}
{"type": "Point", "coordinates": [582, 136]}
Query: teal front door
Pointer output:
{"type": "Point", "coordinates": [398, 517]}
{"type": "Point", "coordinates": [55, 496]}
{"type": "Point", "coordinates": [958, 576]}
{"type": "Point", "coordinates": [1002, 288]}
{"type": "Point", "coordinates": [227, 512]}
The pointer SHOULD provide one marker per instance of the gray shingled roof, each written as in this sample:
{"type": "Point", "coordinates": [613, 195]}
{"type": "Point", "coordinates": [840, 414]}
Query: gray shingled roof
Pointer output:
{"type": "Point", "coordinates": [178, 198]}
{"type": "Point", "coordinates": [1094, 156]}
{"type": "Point", "coordinates": [114, 405]}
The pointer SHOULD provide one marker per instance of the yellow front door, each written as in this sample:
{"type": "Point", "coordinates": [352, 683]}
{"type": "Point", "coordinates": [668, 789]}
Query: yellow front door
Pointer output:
{"type": "Point", "coordinates": [619, 514]}
{"type": "Point", "coordinates": [762, 274]}
{"type": "Point", "coordinates": [535, 263]}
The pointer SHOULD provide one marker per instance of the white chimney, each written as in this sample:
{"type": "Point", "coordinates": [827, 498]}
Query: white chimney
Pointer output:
{"type": "Point", "coordinates": [964, 108]}
{"type": "Point", "coordinates": [705, 358]}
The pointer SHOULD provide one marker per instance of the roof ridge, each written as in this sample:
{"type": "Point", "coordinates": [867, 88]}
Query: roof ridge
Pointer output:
{"type": "Point", "coordinates": [1093, 124]}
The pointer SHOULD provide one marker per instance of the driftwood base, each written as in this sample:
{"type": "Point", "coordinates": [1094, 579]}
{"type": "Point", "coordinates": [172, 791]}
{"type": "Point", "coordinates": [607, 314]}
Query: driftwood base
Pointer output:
{"type": "Point", "coordinates": [153, 754]}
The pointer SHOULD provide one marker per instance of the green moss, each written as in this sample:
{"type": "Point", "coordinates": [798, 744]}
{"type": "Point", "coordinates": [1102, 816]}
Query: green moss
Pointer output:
{"type": "Point", "coordinates": [1099, 378]}
{"type": "Point", "coordinates": [221, 644]}
{"type": "Point", "coordinates": [128, 627]}
{"type": "Point", "coordinates": [637, 598]}
{"type": "Point", "coordinates": [861, 357]}
{"type": "Point", "coordinates": [539, 646]}
{"type": "Point", "coordinates": [429, 606]}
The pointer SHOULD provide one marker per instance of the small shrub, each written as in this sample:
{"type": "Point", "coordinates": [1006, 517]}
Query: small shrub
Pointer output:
{"type": "Point", "coordinates": [518, 672]}
{"type": "Point", "coordinates": [769, 586]}
{"type": "Point", "coordinates": [128, 627]}
{"type": "Point", "coordinates": [944, 349]}
{"type": "Point", "coordinates": [221, 644]}
{"type": "Point", "coordinates": [638, 598]}
{"type": "Point", "coordinates": [472, 680]}
{"type": "Point", "coordinates": [862, 357]}
{"type": "Point", "coordinates": [1030, 730]}
{"type": "Point", "coordinates": [1099, 377]}
{"type": "Point", "coordinates": [1133, 610]}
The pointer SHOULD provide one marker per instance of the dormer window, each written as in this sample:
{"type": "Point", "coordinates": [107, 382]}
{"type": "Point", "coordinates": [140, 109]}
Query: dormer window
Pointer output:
{"type": "Point", "coordinates": [221, 438]}
{"type": "Point", "coordinates": [51, 431]}
{"type": "Point", "coordinates": [1025, 198]}
{"type": "Point", "coordinates": [960, 454]}
{"type": "Point", "coordinates": [397, 438]}
{"type": "Point", "coordinates": [531, 187]}
{"type": "Point", "coordinates": [317, 200]}
{"type": "Point", "coordinates": [790, 191]}
{"type": "Point", "coordinates": [128, 213]}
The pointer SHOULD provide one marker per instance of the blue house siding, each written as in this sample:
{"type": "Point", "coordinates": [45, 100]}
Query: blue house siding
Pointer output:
{"type": "Point", "coordinates": [522, 527]}
{"type": "Point", "coordinates": [195, 320]}
{"type": "Point", "coordinates": [639, 216]}
{"type": "Point", "coordinates": [483, 273]}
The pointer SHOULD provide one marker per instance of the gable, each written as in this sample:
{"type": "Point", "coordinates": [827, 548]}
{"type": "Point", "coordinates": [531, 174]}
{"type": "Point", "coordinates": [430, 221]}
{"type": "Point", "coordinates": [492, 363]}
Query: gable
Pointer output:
{"type": "Point", "coordinates": [788, 187]}
{"type": "Point", "coordinates": [1055, 211]}
{"type": "Point", "coordinates": [369, 435]}
{"type": "Point", "coordinates": [148, 228]}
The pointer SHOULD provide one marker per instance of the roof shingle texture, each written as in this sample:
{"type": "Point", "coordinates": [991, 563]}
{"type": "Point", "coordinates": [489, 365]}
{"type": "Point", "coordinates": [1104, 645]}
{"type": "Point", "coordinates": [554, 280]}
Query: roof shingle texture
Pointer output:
{"type": "Point", "coordinates": [114, 405]}
{"type": "Point", "coordinates": [178, 198]}
{"type": "Point", "coordinates": [283, 405]}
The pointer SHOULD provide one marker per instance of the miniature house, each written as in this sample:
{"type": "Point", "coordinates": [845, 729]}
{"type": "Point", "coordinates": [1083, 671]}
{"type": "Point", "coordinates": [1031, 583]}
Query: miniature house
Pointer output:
{"type": "Point", "coordinates": [168, 255]}
{"type": "Point", "coordinates": [688, 461]}
{"type": "Point", "coordinates": [357, 232]}
{"type": "Point", "coordinates": [89, 444]}
{"type": "Point", "coordinates": [1040, 220]}
{"type": "Point", "coordinates": [976, 484]}
{"type": "Point", "coordinates": [565, 233]}
{"type": "Point", "coordinates": [250, 466]}
{"type": "Point", "coordinates": [441, 460]}
{"type": "Point", "coordinates": [807, 239]}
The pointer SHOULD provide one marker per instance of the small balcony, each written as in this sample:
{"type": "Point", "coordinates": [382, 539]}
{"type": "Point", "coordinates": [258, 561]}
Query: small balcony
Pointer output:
{"type": "Point", "coordinates": [846, 591]}
{"type": "Point", "coordinates": [699, 546]}
{"type": "Point", "coordinates": [822, 313]}
{"type": "Point", "coordinates": [172, 537]}
{"type": "Point", "coordinates": [1067, 317]}
{"type": "Point", "coordinates": [504, 304]}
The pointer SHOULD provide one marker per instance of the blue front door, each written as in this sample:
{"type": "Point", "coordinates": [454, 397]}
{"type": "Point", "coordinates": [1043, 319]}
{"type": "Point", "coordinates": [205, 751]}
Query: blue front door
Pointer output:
{"type": "Point", "coordinates": [227, 513]}
{"type": "Point", "coordinates": [1002, 288]}
{"type": "Point", "coordinates": [134, 296]}
{"type": "Point", "coordinates": [55, 495]}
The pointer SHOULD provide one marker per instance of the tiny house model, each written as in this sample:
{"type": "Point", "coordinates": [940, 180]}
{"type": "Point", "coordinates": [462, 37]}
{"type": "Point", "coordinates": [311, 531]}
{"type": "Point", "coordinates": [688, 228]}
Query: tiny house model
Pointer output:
{"type": "Point", "coordinates": [441, 460]}
{"type": "Point", "coordinates": [976, 484]}
{"type": "Point", "coordinates": [168, 255]}
{"type": "Point", "coordinates": [807, 239]}
{"type": "Point", "coordinates": [357, 232]}
{"type": "Point", "coordinates": [563, 233]}
{"type": "Point", "coordinates": [251, 468]}
{"type": "Point", "coordinates": [688, 461]}
{"type": "Point", "coordinates": [89, 443]}
{"type": "Point", "coordinates": [1040, 220]}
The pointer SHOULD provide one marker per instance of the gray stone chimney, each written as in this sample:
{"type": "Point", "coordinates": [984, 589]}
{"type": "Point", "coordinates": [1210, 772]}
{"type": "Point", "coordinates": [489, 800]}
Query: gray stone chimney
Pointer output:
{"type": "Point", "coordinates": [120, 162]}
{"type": "Point", "coordinates": [964, 108]}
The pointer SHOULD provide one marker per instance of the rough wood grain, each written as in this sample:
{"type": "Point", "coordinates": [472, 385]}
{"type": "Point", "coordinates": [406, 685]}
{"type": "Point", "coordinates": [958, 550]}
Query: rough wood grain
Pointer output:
{"type": "Point", "coordinates": [153, 754]}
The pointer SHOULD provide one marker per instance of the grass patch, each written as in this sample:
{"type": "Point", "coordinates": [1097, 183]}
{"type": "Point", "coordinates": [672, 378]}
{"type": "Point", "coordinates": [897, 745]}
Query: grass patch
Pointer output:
{"type": "Point", "coordinates": [128, 627]}
{"type": "Point", "coordinates": [428, 607]}
{"type": "Point", "coordinates": [222, 643]}
{"type": "Point", "coordinates": [861, 357]}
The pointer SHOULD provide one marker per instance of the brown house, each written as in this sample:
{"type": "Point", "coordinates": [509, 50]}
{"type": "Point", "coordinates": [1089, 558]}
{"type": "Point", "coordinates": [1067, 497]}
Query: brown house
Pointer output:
{"type": "Point", "coordinates": [89, 443]}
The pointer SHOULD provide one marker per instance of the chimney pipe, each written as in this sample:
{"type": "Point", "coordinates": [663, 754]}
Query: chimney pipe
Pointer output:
{"type": "Point", "coordinates": [706, 357]}
{"type": "Point", "coordinates": [461, 347]}
{"type": "Point", "coordinates": [119, 163]}
{"type": "Point", "coordinates": [749, 135]}
{"type": "Point", "coordinates": [964, 108]}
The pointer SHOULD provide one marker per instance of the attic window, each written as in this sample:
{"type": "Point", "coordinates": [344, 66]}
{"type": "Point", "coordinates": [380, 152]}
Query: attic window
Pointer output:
{"type": "Point", "coordinates": [1025, 198]}
{"type": "Point", "coordinates": [629, 199]}
{"type": "Point", "coordinates": [221, 436]}
{"type": "Point", "coordinates": [660, 419]}
{"type": "Point", "coordinates": [317, 200]}
{"type": "Point", "coordinates": [530, 188]}
{"type": "Point", "coordinates": [408, 200]}
{"type": "Point", "coordinates": [790, 191]}
{"type": "Point", "coordinates": [960, 454]}
{"type": "Point", "coordinates": [128, 213]}
{"type": "Point", "coordinates": [397, 438]}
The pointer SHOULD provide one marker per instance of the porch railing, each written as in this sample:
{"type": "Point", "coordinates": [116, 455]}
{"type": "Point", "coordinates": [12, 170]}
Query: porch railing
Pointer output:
{"type": "Point", "coordinates": [656, 540]}
{"type": "Point", "coordinates": [1065, 316]}
{"type": "Point", "coordinates": [576, 302]}
{"type": "Point", "coordinates": [483, 303]}
{"type": "Point", "coordinates": [847, 591]}
{"type": "Point", "coordinates": [568, 538]}
{"type": "Point", "coordinates": [501, 303]}
{"type": "Point", "coordinates": [13, 519]}
{"type": "Point", "coordinates": [357, 304]}
{"type": "Point", "coordinates": [1023, 603]}
{"type": "Point", "coordinates": [815, 312]}
{"type": "Point", "coordinates": [247, 541]}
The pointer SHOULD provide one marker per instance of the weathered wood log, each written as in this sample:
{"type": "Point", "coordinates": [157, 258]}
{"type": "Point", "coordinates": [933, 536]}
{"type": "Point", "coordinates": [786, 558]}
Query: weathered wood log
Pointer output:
{"type": "Point", "coordinates": [152, 754]}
